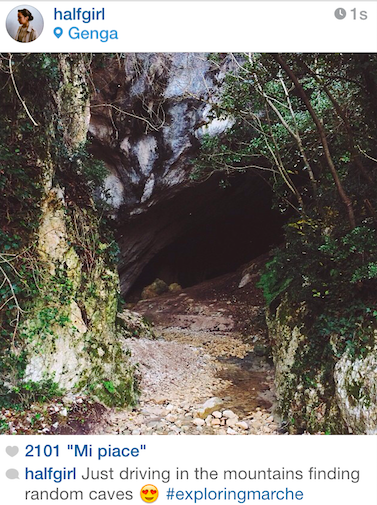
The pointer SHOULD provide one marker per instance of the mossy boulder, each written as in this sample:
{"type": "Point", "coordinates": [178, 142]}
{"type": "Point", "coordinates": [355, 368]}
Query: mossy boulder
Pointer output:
{"type": "Point", "coordinates": [319, 387]}
{"type": "Point", "coordinates": [133, 324]}
{"type": "Point", "coordinates": [68, 333]}
{"type": "Point", "coordinates": [303, 374]}
{"type": "Point", "coordinates": [157, 288]}
{"type": "Point", "coordinates": [174, 287]}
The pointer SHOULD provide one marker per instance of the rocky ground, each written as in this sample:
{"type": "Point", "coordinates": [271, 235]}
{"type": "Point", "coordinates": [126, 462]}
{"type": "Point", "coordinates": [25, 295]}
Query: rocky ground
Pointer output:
{"type": "Point", "coordinates": [204, 369]}
{"type": "Point", "coordinates": [208, 369]}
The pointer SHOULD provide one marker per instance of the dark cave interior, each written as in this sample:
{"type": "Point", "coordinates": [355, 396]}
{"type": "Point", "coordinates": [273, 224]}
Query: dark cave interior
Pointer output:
{"type": "Point", "coordinates": [219, 230]}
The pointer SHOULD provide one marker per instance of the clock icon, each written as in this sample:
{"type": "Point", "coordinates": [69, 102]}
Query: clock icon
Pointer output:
{"type": "Point", "coordinates": [340, 13]}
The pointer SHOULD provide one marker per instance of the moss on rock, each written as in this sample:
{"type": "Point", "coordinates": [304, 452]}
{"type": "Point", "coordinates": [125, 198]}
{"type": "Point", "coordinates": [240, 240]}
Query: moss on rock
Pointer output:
{"type": "Point", "coordinates": [157, 288]}
{"type": "Point", "coordinates": [68, 331]}
{"type": "Point", "coordinates": [304, 373]}
{"type": "Point", "coordinates": [320, 388]}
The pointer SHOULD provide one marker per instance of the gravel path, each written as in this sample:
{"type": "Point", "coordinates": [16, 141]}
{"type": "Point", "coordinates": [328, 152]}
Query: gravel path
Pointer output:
{"type": "Point", "coordinates": [206, 372]}
{"type": "Point", "coordinates": [183, 370]}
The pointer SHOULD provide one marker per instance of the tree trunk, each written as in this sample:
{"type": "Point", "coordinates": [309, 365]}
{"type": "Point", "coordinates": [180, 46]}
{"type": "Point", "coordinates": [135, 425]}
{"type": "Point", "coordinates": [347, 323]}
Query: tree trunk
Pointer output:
{"type": "Point", "coordinates": [322, 135]}
{"type": "Point", "coordinates": [341, 113]}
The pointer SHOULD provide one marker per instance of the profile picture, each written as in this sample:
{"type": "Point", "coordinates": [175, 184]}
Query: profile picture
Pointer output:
{"type": "Point", "coordinates": [24, 23]}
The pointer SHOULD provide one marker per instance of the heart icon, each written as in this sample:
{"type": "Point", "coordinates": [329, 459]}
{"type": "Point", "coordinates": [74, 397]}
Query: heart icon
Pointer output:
{"type": "Point", "coordinates": [12, 451]}
{"type": "Point", "coordinates": [153, 491]}
{"type": "Point", "coordinates": [144, 491]}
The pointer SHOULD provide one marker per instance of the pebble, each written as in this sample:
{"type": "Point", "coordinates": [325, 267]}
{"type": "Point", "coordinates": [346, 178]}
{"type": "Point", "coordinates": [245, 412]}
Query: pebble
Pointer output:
{"type": "Point", "coordinates": [217, 414]}
{"type": "Point", "coordinates": [160, 401]}
{"type": "Point", "coordinates": [229, 414]}
{"type": "Point", "coordinates": [209, 406]}
{"type": "Point", "coordinates": [199, 422]}
{"type": "Point", "coordinates": [152, 424]}
{"type": "Point", "coordinates": [243, 425]}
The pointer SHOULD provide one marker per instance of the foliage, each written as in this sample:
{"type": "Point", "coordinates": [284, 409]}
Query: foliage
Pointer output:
{"type": "Point", "coordinates": [23, 150]}
{"type": "Point", "coordinates": [307, 125]}
{"type": "Point", "coordinates": [334, 277]}
{"type": "Point", "coordinates": [32, 158]}
{"type": "Point", "coordinates": [29, 392]}
{"type": "Point", "coordinates": [278, 104]}
{"type": "Point", "coordinates": [109, 386]}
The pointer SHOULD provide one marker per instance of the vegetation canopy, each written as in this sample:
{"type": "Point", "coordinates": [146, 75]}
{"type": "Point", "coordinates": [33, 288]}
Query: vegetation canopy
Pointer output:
{"type": "Point", "coordinates": [306, 124]}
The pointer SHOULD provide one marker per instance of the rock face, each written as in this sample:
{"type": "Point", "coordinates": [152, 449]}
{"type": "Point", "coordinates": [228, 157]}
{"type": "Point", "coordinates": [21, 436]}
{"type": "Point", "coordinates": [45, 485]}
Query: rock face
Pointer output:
{"type": "Point", "coordinates": [356, 392]}
{"type": "Point", "coordinates": [332, 394]}
{"type": "Point", "coordinates": [303, 400]}
{"type": "Point", "coordinates": [148, 114]}
{"type": "Point", "coordinates": [70, 327]}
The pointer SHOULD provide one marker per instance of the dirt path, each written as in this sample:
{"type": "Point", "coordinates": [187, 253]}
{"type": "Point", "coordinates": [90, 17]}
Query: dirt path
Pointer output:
{"type": "Point", "coordinates": [207, 372]}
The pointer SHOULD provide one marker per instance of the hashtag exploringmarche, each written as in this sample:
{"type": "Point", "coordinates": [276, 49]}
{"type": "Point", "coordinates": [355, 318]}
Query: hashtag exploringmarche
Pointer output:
{"type": "Point", "coordinates": [240, 496]}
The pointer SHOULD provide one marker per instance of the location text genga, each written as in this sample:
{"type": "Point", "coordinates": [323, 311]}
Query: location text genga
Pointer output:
{"type": "Point", "coordinates": [85, 16]}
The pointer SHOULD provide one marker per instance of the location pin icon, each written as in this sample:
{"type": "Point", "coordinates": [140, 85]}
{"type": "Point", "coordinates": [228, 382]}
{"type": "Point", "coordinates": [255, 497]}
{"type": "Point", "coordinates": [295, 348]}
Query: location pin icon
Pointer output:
{"type": "Point", "coordinates": [58, 32]}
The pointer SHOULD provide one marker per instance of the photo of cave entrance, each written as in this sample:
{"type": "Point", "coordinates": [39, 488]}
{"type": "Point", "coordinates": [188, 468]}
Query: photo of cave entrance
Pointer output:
{"type": "Point", "coordinates": [188, 243]}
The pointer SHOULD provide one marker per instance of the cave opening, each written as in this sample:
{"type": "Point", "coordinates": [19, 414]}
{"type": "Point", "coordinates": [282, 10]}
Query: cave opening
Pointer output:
{"type": "Point", "coordinates": [202, 233]}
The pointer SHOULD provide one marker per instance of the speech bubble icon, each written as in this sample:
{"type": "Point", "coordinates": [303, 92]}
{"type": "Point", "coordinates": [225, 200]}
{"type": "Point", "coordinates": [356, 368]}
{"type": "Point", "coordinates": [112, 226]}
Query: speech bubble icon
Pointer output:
{"type": "Point", "coordinates": [12, 450]}
{"type": "Point", "coordinates": [12, 474]}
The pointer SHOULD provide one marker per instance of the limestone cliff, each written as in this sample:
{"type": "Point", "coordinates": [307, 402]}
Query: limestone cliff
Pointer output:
{"type": "Point", "coordinates": [149, 112]}
{"type": "Point", "coordinates": [67, 333]}
{"type": "Point", "coordinates": [334, 394]}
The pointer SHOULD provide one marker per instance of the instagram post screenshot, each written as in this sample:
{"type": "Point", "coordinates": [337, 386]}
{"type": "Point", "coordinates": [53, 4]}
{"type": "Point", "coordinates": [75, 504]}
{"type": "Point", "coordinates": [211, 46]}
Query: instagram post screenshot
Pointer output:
{"type": "Point", "coordinates": [188, 252]}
